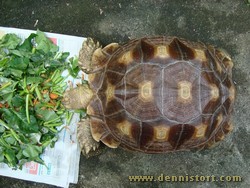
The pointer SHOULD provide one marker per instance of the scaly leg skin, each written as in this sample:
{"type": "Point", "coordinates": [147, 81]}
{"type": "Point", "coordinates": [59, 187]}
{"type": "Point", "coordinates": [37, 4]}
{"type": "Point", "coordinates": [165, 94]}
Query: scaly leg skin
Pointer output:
{"type": "Point", "coordinates": [86, 55]}
{"type": "Point", "coordinates": [88, 145]}
{"type": "Point", "coordinates": [92, 57]}
{"type": "Point", "coordinates": [77, 98]}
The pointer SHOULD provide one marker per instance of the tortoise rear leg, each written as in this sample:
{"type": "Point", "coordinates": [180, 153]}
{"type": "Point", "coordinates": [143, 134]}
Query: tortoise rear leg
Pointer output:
{"type": "Point", "coordinates": [88, 145]}
{"type": "Point", "coordinates": [92, 57]}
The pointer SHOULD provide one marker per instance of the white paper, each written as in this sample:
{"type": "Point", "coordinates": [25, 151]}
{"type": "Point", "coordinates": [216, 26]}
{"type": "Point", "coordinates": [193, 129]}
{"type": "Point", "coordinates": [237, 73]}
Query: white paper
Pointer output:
{"type": "Point", "coordinates": [62, 160]}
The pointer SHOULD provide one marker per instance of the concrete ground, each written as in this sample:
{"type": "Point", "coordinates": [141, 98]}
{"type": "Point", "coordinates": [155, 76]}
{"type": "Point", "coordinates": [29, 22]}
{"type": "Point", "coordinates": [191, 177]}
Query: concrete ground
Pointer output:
{"type": "Point", "coordinates": [224, 23]}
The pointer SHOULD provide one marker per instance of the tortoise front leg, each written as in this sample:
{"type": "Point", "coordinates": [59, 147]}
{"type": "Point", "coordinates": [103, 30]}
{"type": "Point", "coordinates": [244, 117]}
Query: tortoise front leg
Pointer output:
{"type": "Point", "coordinates": [92, 57]}
{"type": "Point", "coordinates": [86, 54]}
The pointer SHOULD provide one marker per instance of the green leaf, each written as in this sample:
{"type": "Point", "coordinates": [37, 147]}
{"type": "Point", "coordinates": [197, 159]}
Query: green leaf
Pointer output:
{"type": "Point", "coordinates": [1, 154]}
{"type": "Point", "coordinates": [45, 114]}
{"type": "Point", "coordinates": [27, 45]}
{"type": "Point", "coordinates": [17, 53]}
{"type": "Point", "coordinates": [18, 101]}
{"type": "Point", "coordinates": [44, 44]}
{"type": "Point", "coordinates": [34, 80]}
{"type": "Point", "coordinates": [10, 155]}
{"type": "Point", "coordinates": [36, 70]}
{"type": "Point", "coordinates": [63, 56]}
{"type": "Point", "coordinates": [18, 120]}
{"type": "Point", "coordinates": [10, 140]}
{"type": "Point", "coordinates": [49, 139]}
{"type": "Point", "coordinates": [7, 89]}
{"type": "Point", "coordinates": [3, 62]}
{"type": "Point", "coordinates": [19, 63]}
{"type": "Point", "coordinates": [10, 41]}
{"type": "Point", "coordinates": [9, 72]}
{"type": "Point", "coordinates": [32, 151]}
{"type": "Point", "coordinates": [73, 67]}
{"type": "Point", "coordinates": [2, 128]}
{"type": "Point", "coordinates": [1, 157]}
{"type": "Point", "coordinates": [24, 138]}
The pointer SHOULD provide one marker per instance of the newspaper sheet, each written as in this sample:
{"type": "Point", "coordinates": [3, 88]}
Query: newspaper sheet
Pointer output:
{"type": "Point", "coordinates": [63, 160]}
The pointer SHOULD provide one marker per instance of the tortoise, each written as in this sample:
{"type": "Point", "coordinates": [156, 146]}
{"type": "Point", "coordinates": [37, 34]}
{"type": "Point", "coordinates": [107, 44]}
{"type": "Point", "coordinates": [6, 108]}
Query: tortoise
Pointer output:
{"type": "Point", "coordinates": [154, 95]}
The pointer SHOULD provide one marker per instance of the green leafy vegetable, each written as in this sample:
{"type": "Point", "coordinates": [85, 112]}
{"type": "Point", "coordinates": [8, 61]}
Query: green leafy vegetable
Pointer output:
{"type": "Point", "coordinates": [9, 42]}
{"type": "Point", "coordinates": [31, 89]}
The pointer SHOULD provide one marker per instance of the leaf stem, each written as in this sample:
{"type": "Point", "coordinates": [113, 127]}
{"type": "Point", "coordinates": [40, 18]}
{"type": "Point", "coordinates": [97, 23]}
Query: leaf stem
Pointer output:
{"type": "Point", "coordinates": [15, 135]}
{"type": "Point", "coordinates": [27, 108]}
{"type": "Point", "coordinates": [69, 117]}
{"type": "Point", "coordinates": [55, 75]}
{"type": "Point", "coordinates": [24, 83]}
{"type": "Point", "coordinates": [53, 120]}
{"type": "Point", "coordinates": [53, 124]}
{"type": "Point", "coordinates": [5, 85]}
{"type": "Point", "coordinates": [4, 124]}
{"type": "Point", "coordinates": [38, 93]}
{"type": "Point", "coordinates": [5, 144]}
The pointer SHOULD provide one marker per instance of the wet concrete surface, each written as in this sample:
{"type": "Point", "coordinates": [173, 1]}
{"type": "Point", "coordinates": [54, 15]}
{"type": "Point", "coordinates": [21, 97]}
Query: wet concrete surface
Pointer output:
{"type": "Point", "coordinates": [224, 23]}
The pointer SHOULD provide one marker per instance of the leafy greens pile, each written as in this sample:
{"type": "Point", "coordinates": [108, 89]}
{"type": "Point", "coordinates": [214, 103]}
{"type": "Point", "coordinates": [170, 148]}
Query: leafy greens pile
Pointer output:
{"type": "Point", "coordinates": [31, 88]}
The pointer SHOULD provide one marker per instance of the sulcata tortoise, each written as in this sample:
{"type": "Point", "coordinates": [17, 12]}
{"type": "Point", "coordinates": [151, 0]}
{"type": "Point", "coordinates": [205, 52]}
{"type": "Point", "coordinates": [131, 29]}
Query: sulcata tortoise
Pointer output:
{"type": "Point", "coordinates": [153, 95]}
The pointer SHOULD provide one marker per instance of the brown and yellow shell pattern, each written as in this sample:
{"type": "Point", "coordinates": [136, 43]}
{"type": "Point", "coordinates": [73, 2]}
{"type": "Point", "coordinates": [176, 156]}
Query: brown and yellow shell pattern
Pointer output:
{"type": "Point", "coordinates": [161, 94]}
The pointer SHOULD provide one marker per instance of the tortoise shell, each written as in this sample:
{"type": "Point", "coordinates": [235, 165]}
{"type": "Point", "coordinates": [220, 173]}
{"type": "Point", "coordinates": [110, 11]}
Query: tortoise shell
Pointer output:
{"type": "Point", "coordinates": [160, 94]}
